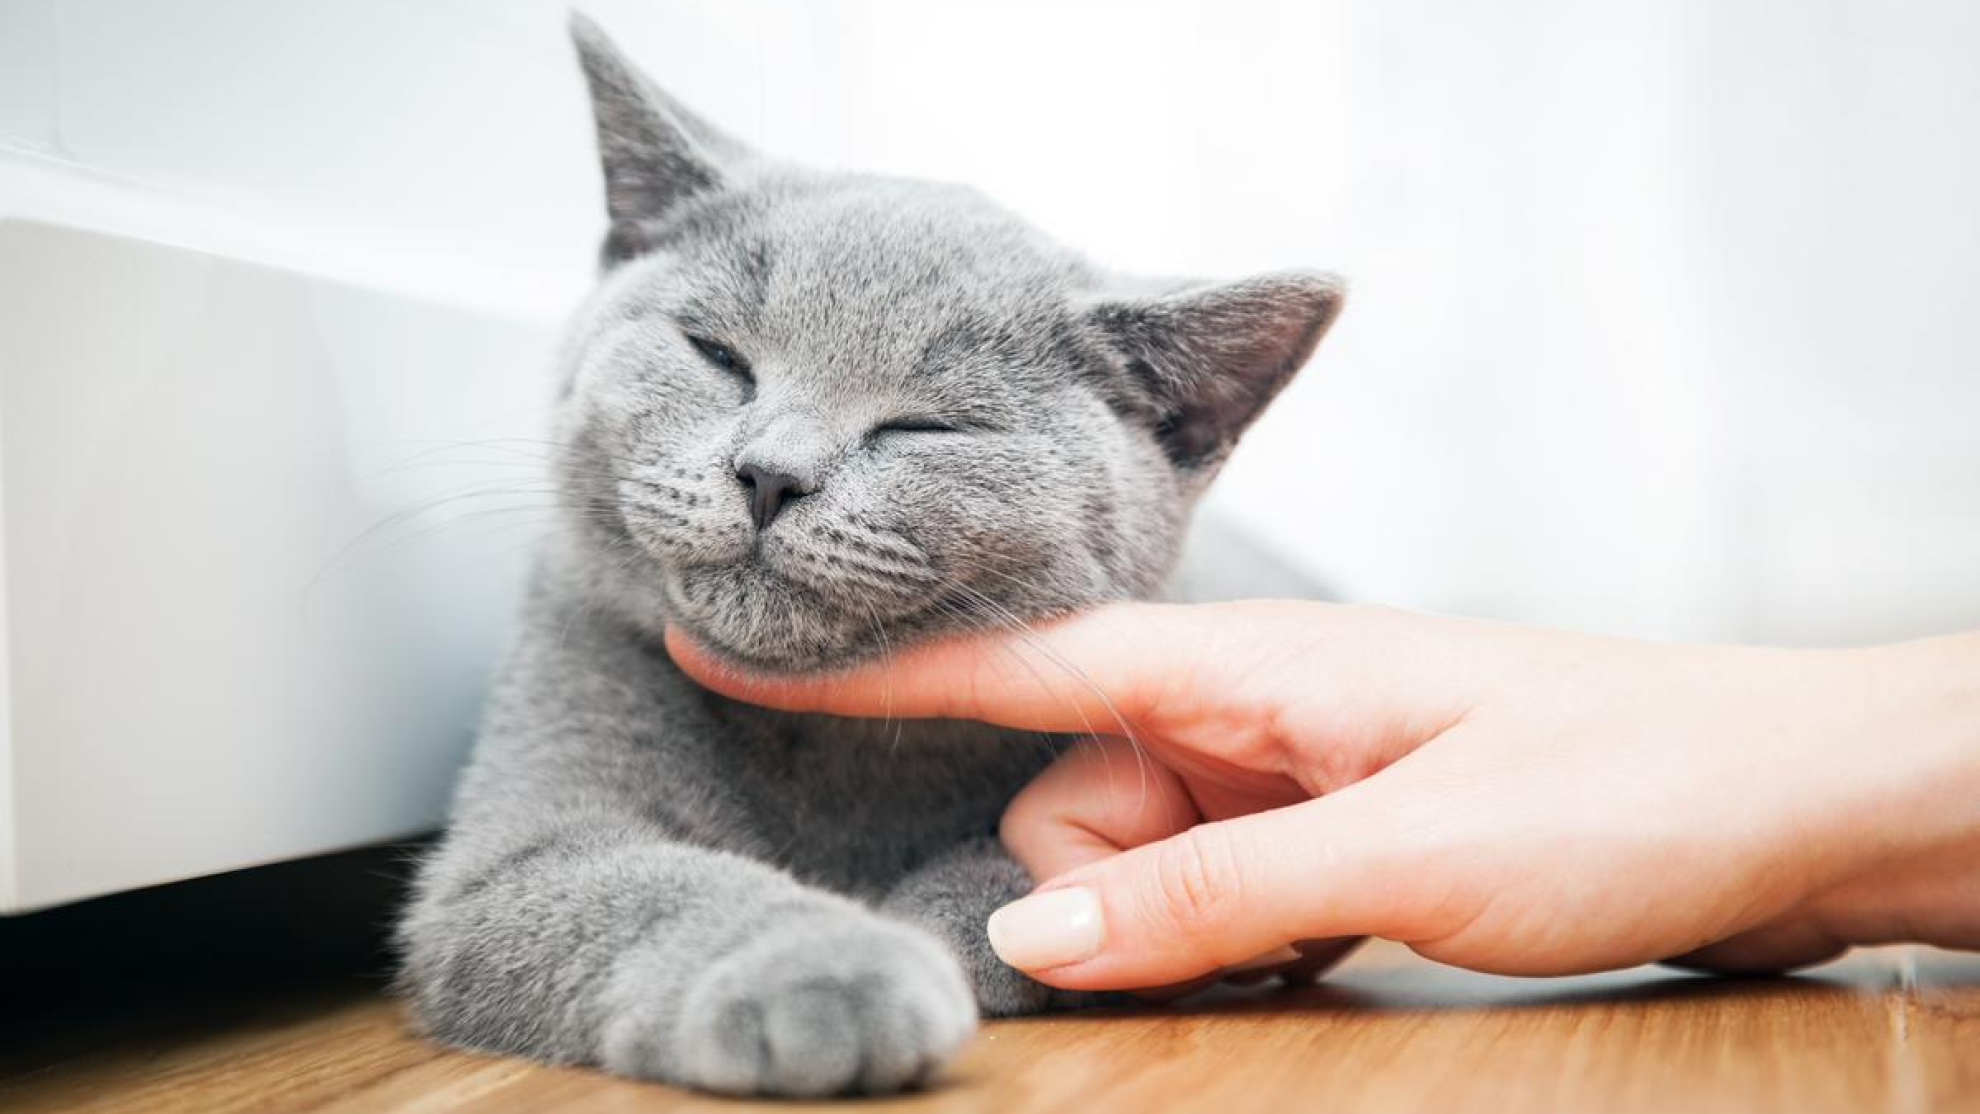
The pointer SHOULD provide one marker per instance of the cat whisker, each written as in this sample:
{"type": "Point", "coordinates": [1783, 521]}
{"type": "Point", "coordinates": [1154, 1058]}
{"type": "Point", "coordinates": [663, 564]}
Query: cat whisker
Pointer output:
{"type": "Point", "coordinates": [1030, 638]}
{"type": "Point", "coordinates": [528, 498]}
{"type": "Point", "coordinates": [887, 696]}
{"type": "Point", "coordinates": [568, 458]}
{"type": "Point", "coordinates": [968, 619]}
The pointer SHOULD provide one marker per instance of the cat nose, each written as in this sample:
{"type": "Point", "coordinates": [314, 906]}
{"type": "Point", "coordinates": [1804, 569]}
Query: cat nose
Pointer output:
{"type": "Point", "coordinates": [769, 492]}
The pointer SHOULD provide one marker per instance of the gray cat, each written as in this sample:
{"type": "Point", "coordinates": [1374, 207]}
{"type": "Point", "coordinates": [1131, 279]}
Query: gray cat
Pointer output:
{"type": "Point", "coordinates": [808, 417]}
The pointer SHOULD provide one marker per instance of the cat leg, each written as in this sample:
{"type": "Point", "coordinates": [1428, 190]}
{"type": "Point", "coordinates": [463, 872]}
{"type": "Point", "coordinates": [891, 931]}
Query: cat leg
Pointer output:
{"type": "Point", "coordinates": [952, 896]}
{"type": "Point", "coordinates": [599, 940]}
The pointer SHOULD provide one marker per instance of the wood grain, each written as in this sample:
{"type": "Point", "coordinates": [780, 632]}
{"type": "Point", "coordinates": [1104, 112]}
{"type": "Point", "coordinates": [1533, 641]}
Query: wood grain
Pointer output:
{"type": "Point", "coordinates": [1883, 1030]}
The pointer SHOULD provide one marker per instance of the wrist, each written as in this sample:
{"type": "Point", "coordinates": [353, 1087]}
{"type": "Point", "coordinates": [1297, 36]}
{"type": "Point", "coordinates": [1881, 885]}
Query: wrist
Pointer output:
{"type": "Point", "coordinates": [1926, 735]}
{"type": "Point", "coordinates": [1911, 824]}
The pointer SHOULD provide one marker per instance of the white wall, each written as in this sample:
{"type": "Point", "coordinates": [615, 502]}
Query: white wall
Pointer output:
{"type": "Point", "coordinates": [258, 324]}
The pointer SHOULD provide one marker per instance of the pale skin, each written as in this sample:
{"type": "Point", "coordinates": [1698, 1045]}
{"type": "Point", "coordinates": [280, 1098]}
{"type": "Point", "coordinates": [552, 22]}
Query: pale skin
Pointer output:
{"type": "Point", "coordinates": [1503, 798]}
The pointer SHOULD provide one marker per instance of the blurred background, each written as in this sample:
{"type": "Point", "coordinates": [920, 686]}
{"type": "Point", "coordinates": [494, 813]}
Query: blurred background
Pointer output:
{"type": "Point", "coordinates": [1665, 316]}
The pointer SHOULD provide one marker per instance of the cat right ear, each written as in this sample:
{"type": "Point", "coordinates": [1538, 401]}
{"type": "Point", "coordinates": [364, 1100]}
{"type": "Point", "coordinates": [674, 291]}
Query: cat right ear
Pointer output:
{"type": "Point", "coordinates": [1203, 361]}
{"type": "Point", "coordinates": [656, 154]}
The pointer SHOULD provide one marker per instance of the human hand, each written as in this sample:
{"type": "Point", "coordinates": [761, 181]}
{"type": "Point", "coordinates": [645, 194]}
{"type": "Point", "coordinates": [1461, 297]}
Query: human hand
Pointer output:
{"type": "Point", "coordinates": [1501, 798]}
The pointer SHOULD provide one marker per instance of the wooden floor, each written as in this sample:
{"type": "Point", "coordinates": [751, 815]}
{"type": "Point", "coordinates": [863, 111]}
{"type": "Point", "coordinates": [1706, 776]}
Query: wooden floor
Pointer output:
{"type": "Point", "coordinates": [1886, 1030]}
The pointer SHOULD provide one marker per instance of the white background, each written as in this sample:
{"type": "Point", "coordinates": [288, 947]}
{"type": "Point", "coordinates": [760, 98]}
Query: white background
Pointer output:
{"type": "Point", "coordinates": [1666, 321]}
{"type": "Point", "coordinates": [1664, 315]}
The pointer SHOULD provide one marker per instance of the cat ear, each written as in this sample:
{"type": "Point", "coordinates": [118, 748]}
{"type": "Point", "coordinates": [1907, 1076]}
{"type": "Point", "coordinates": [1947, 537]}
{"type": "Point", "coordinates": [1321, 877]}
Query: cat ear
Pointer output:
{"type": "Point", "coordinates": [1203, 361]}
{"type": "Point", "coordinates": [655, 152]}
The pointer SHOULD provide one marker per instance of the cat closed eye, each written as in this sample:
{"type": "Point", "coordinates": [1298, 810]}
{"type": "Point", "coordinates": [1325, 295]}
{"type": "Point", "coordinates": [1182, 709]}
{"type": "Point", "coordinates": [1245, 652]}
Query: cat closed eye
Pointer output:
{"type": "Point", "coordinates": [722, 356]}
{"type": "Point", "coordinates": [917, 425]}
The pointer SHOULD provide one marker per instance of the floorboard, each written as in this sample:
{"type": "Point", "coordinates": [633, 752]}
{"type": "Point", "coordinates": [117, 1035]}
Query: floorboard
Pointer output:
{"type": "Point", "coordinates": [1884, 1030]}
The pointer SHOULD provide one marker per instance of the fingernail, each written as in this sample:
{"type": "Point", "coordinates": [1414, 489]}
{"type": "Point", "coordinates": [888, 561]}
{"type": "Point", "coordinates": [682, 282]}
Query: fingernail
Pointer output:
{"type": "Point", "coordinates": [1278, 957]}
{"type": "Point", "coordinates": [1049, 929]}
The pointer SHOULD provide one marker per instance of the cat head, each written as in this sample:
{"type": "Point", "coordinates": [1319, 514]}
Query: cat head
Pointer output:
{"type": "Point", "coordinates": [811, 416]}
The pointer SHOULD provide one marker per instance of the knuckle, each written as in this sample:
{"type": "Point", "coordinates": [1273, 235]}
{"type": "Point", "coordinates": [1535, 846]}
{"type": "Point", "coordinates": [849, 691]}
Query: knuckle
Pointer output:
{"type": "Point", "coordinates": [1197, 878]}
{"type": "Point", "coordinates": [1022, 819]}
{"type": "Point", "coordinates": [1042, 805]}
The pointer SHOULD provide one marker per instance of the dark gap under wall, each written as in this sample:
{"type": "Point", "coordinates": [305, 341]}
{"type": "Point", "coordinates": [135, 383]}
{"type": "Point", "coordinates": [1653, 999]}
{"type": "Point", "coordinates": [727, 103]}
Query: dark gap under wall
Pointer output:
{"type": "Point", "coordinates": [321, 923]}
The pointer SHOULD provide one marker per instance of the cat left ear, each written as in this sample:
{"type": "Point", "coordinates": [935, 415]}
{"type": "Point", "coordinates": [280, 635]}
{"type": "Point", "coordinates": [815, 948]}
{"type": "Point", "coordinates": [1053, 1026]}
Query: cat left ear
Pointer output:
{"type": "Point", "coordinates": [656, 154]}
{"type": "Point", "coordinates": [1204, 361]}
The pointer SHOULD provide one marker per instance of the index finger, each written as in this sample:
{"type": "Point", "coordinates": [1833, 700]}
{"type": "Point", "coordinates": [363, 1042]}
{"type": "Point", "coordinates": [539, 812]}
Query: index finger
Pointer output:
{"type": "Point", "coordinates": [1102, 671]}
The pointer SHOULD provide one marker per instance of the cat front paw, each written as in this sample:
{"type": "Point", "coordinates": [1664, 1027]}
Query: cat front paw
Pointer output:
{"type": "Point", "coordinates": [1002, 991]}
{"type": "Point", "coordinates": [842, 1005]}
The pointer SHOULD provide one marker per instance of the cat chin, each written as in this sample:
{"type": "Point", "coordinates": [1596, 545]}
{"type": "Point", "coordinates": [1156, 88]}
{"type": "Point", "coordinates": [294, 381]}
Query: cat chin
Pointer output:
{"type": "Point", "coordinates": [758, 622]}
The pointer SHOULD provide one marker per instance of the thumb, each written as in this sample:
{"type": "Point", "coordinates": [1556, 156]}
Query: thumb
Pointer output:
{"type": "Point", "coordinates": [1210, 897]}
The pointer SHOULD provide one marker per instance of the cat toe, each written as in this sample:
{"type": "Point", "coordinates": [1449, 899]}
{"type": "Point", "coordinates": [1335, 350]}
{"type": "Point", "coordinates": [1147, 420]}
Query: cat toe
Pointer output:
{"type": "Point", "coordinates": [866, 1009]}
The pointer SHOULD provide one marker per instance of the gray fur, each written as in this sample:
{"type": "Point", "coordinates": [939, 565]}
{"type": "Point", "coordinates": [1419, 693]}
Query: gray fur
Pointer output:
{"type": "Point", "coordinates": [648, 877]}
